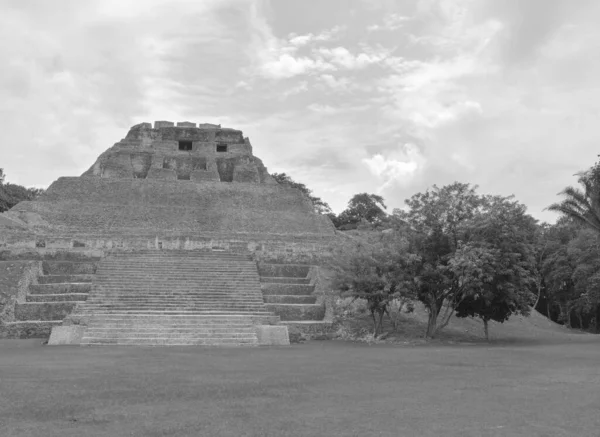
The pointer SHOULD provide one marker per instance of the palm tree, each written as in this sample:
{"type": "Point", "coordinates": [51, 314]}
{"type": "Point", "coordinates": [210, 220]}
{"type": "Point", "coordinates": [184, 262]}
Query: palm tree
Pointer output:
{"type": "Point", "coordinates": [582, 205]}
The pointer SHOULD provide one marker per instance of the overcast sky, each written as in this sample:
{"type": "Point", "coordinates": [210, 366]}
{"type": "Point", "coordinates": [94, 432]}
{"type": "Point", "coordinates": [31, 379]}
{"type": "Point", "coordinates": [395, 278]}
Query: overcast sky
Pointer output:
{"type": "Point", "coordinates": [387, 97]}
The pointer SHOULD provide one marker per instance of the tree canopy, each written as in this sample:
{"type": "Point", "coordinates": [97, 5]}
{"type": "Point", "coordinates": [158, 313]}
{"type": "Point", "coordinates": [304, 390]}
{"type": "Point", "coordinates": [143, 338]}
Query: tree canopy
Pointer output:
{"type": "Point", "coordinates": [11, 194]}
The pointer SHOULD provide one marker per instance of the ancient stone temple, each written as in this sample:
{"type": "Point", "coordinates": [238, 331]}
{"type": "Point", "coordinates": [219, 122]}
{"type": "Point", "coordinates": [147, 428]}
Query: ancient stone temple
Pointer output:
{"type": "Point", "coordinates": [176, 235]}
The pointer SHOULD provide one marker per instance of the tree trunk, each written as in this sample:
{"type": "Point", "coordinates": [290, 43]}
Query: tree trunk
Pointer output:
{"type": "Point", "coordinates": [539, 287]}
{"type": "Point", "coordinates": [374, 324]}
{"type": "Point", "coordinates": [565, 314]}
{"type": "Point", "coordinates": [486, 330]}
{"type": "Point", "coordinates": [431, 323]}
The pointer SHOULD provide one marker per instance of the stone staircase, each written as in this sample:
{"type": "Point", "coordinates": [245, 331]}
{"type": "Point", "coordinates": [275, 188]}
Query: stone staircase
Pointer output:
{"type": "Point", "coordinates": [288, 291]}
{"type": "Point", "coordinates": [58, 290]}
{"type": "Point", "coordinates": [175, 297]}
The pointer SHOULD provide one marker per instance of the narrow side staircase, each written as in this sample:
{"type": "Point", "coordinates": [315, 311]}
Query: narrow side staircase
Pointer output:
{"type": "Point", "coordinates": [175, 297]}
{"type": "Point", "coordinates": [58, 290]}
{"type": "Point", "coordinates": [288, 292]}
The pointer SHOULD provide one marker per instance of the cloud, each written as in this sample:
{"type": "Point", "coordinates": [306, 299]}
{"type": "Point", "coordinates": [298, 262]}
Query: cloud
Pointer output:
{"type": "Point", "coordinates": [342, 57]}
{"type": "Point", "coordinates": [398, 167]}
{"type": "Point", "coordinates": [326, 35]}
{"type": "Point", "coordinates": [297, 89]}
{"type": "Point", "coordinates": [391, 22]}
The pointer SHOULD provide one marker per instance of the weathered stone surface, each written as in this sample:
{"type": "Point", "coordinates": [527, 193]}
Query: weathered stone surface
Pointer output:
{"type": "Point", "coordinates": [297, 311]}
{"type": "Point", "coordinates": [272, 335]}
{"type": "Point", "coordinates": [185, 124]}
{"type": "Point", "coordinates": [28, 329]}
{"type": "Point", "coordinates": [15, 279]}
{"type": "Point", "coordinates": [283, 270]}
{"type": "Point", "coordinates": [161, 124]}
{"type": "Point", "coordinates": [70, 334]}
{"type": "Point", "coordinates": [308, 330]}
{"type": "Point", "coordinates": [162, 173]}
{"type": "Point", "coordinates": [43, 311]}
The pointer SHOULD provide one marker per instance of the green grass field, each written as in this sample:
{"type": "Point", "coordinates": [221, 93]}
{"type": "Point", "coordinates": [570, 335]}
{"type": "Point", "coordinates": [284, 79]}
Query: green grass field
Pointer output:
{"type": "Point", "coordinates": [323, 389]}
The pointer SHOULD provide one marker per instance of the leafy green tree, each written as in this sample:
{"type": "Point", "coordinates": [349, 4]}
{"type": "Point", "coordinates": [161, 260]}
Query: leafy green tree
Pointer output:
{"type": "Point", "coordinates": [321, 207]}
{"type": "Point", "coordinates": [440, 220]}
{"type": "Point", "coordinates": [377, 274]}
{"type": "Point", "coordinates": [582, 205]}
{"type": "Point", "coordinates": [362, 207]}
{"type": "Point", "coordinates": [505, 236]}
{"type": "Point", "coordinates": [11, 194]}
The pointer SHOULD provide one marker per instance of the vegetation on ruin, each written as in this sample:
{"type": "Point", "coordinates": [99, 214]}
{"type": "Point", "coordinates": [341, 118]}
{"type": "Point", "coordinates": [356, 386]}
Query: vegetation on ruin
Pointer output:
{"type": "Point", "coordinates": [11, 194]}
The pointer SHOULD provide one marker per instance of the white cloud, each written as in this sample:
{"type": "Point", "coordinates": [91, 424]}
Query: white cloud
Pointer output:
{"type": "Point", "coordinates": [398, 167]}
{"type": "Point", "coordinates": [337, 83]}
{"type": "Point", "coordinates": [391, 22]}
{"type": "Point", "coordinates": [302, 40]}
{"type": "Point", "coordinates": [300, 88]}
{"type": "Point", "coordinates": [342, 57]}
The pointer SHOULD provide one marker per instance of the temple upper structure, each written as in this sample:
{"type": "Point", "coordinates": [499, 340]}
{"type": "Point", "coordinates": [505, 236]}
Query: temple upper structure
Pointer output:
{"type": "Point", "coordinates": [183, 152]}
{"type": "Point", "coordinates": [167, 185]}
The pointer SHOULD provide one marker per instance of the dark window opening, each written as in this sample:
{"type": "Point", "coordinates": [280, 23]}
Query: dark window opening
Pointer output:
{"type": "Point", "coordinates": [185, 145]}
{"type": "Point", "coordinates": [221, 147]}
{"type": "Point", "coordinates": [183, 177]}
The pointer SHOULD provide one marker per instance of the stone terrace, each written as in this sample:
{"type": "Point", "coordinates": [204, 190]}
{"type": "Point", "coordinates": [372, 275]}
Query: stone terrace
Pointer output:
{"type": "Point", "coordinates": [141, 205]}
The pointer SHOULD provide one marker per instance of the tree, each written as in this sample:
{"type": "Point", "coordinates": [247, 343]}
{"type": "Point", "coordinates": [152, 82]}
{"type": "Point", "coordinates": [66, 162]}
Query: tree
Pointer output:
{"type": "Point", "coordinates": [362, 207]}
{"type": "Point", "coordinates": [440, 221]}
{"type": "Point", "coordinates": [505, 236]}
{"type": "Point", "coordinates": [582, 205]}
{"type": "Point", "coordinates": [11, 194]}
{"type": "Point", "coordinates": [558, 268]}
{"type": "Point", "coordinates": [321, 207]}
{"type": "Point", "coordinates": [376, 273]}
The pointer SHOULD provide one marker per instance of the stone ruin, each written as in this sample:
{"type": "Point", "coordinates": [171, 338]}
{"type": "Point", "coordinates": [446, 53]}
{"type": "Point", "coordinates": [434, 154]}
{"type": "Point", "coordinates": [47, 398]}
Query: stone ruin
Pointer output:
{"type": "Point", "coordinates": [179, 228]}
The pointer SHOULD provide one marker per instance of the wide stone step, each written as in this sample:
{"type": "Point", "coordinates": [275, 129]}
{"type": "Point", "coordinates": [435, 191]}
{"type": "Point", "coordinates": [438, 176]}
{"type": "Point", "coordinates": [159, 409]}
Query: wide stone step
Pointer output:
{"type": "Point", "coordinates": [176, 268]}
{"type": "Point", "coordinates": [178, 310]}
{"type": "Point", "coordinates": [184, 321]}
{"type": "Point", "coordinates": [161, 297]}
{"type": "Point", "coordinates": [43, 311]}
{"type": "Point", "coordinates": [181, 254]}
{"type": "Point", "coordinates": [54, 279]}
{"type": "Point", "coordinates": [177, 280]}
{"type": "Point", "coordinates": [282, 298]}
{"type": "Point", "coordinates": [164, 334]}
{"type": "Point", "coordinates": [178, 301]}
{"type": "Point", "coordinates": [130, 306]}
{"type": "Point", "coordinates": [68, 267]}
{"type": "Point", "coordinates": [60, 288]}
{"type": "Point", "coordinates": [63, 297]}
{"type": "Point", "coordinates": [169, 342]}
{"type": "Point", "coordinates": [170, 329]}
{"type": "Point", "coordinates": [287, 289]}
{"type": "Point", "coordinates": [100, 311]}
{"type": "Point", "coordinates": [284, 270]}
{"type": "Point", "coordinates": [283, 280]}
{"type": "Point", "coordinates": [166, 293]}
{"type": "Point", "coordinates": [186, 324]}
{"type": "Point", "coordinates": [297, 311]}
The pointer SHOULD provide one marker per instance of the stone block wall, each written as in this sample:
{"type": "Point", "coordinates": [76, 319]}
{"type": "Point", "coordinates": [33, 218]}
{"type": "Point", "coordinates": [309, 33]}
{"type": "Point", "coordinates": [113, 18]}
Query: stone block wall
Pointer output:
{"type": "Point", "coordinates": [15, 278]}
{"type": "Point", "coordinates": [144, 148]}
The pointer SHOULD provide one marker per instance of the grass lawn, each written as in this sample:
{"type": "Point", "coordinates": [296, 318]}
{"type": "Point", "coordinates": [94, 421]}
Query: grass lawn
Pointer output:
{"type": "Point", "coordinates": [323, 389]}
